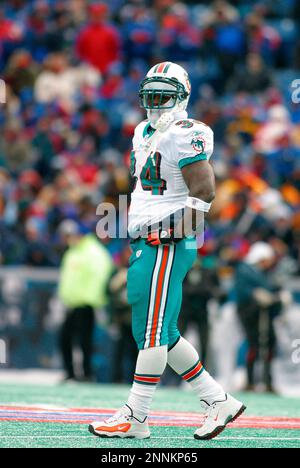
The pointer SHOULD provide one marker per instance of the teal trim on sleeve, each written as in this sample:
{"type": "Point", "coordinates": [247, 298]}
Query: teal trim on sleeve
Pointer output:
{"type": "Point", "coordinates": [146, 130]}
{"type": "Point", "coordinates": [191, 160]}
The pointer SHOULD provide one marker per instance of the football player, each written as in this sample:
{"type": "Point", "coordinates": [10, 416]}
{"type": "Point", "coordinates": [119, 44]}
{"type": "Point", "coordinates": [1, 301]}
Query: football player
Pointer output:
{"type": "Point", "coordinates": [173, 185]}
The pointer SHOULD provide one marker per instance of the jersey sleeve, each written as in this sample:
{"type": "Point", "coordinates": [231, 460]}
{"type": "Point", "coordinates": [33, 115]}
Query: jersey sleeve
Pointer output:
{"type": "Point", "coordinates": [193, 143]}
{"type": "Point", "coordinates": [138, 131]}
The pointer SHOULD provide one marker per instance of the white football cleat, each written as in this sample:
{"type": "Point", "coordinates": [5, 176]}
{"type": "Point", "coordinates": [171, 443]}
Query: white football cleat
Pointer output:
{"type": "Point", "coordinates": [217, 416]}
{"type": "Point", "coordinates": [122, 425]}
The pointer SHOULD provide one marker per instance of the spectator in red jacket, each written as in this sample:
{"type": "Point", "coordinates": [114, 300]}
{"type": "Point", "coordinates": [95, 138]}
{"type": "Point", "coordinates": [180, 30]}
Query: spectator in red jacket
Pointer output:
{"type": "Point", "coordinates": [9, 30]}
{"type": "Point", "coordinates": [99, 42]}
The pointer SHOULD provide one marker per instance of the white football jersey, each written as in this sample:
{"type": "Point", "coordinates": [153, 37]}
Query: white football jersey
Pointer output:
{"type": "Point", "coordinates": [156, 163]}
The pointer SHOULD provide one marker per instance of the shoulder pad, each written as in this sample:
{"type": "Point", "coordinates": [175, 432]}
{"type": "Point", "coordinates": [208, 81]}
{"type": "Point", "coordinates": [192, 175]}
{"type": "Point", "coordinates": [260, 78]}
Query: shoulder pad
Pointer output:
{"type": "Point", "coordinates": [190, 124]}
{"type": "Point", "coordinates": [140, 127]}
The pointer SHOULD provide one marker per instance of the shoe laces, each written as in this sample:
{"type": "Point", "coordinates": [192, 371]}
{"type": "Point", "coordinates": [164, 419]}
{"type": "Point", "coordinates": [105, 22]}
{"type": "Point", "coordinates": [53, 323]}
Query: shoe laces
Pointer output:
{"type": "Point", "coordinates": [119, 414]}
{"type": "Point", "coordinates": [210, 411]}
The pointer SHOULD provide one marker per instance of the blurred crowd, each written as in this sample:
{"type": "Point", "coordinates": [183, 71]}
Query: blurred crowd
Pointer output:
{"type": "Point", "coordinates": [72, 70]}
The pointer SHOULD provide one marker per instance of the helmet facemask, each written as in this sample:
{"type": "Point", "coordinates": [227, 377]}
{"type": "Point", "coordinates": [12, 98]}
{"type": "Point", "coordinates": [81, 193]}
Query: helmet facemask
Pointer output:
{"type": "Point", "coordinates": [159, 95]}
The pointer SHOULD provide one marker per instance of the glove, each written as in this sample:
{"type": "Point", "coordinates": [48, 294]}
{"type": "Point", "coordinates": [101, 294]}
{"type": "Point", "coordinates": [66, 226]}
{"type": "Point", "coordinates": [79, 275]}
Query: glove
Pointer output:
{"type": "Point", "coordinates": [263, 297]}
{"type": "Point", "coordinates": [161, 237]}
{"type": "Point", "coordinates": [285, 297]}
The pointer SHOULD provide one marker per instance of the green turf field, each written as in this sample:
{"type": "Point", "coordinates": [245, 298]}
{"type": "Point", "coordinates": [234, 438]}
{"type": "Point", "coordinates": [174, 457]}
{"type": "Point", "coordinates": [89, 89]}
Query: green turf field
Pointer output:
{"type": "Point", "coordinates": [24, 410]}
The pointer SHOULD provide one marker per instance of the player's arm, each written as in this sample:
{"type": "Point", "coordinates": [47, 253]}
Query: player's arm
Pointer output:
{"type": "Point", "coordinates": [200, 180]}
{"type": "Point", "coordinates": [194, 146]}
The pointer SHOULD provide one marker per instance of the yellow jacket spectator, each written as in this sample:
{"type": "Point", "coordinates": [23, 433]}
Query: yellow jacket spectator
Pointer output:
{"type": "Point", "coordinates": [85, 272]}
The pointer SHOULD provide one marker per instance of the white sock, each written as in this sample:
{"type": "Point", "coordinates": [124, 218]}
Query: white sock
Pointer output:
{"type": "Point", "coordinates": [184, 359]}
{"type": "Point", "coordinates": [151, 363]}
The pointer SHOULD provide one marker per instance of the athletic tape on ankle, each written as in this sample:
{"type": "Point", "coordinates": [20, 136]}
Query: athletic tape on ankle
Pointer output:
{"type": "Point", "coordinates": [197, 204]}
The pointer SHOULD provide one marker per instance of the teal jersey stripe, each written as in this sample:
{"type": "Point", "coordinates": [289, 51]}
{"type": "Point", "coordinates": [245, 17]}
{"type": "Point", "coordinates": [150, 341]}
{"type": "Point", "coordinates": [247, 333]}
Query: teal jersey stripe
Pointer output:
{"type": "Point", "coordinates": [146, 130]}
{"type": "Point", "coordinates": [191, 160]}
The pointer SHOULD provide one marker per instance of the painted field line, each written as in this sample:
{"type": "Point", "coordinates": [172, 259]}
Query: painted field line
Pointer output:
{"type": "Point", "coordinates": [176, 419]}
{"type": "Point", "coordinates": [158, 438]}
{"type": "Point", "coordinates": [239, 424]}
{"type": "Point", "coordinates": [103, 411]}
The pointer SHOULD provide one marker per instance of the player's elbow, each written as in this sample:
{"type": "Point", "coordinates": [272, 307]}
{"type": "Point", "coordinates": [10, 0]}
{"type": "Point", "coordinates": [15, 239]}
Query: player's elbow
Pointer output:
{"type": "Point", "coordinates": [207, 195]}
{"type": "Point", "coordinates": [200, 181]}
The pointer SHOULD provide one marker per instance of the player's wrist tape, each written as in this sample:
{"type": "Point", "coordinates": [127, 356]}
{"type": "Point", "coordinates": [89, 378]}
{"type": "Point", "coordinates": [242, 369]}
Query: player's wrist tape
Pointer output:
{"type": "Point", "coordinates": [197, 204]}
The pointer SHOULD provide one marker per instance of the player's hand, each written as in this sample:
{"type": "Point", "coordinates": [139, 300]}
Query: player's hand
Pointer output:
{"type": "Point", "coordinates": [263, 297]}
{"type": "Point", "coordinates": [286, 297]}
{"type": "Point", "coordinates": [161, 237]}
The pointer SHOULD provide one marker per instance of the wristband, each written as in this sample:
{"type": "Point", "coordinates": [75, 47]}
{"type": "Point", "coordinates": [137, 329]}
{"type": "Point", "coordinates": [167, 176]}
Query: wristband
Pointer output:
{"type": "Point", "coordinates": [197, 204]}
